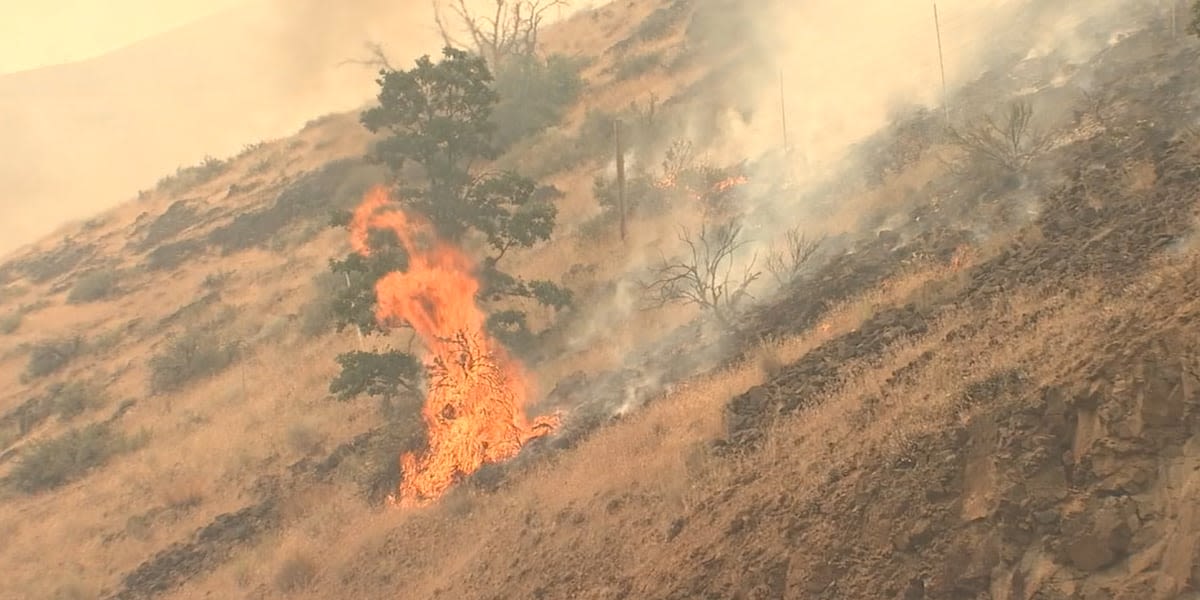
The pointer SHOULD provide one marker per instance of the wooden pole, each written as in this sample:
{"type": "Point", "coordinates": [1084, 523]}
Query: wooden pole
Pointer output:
{"type": "Point", "coordinates": [783, 115]}
{"type": "Point", "coordinates": [357, 329]}
{"type": "Point", "coordinates": [1174, 18]}
{"type": "Point", "coordinates": [937, 27]}
{"type": "Point", "coordinates": [620, 175]}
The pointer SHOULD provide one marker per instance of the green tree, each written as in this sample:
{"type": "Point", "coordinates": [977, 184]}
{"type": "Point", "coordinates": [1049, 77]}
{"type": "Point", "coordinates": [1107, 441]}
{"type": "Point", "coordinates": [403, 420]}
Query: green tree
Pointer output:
{"type": "Point", "coordinates": [439, 117]}
{"type": "Point", "coordinates": [437, 120]}
{"type": "Point", "coordinates": [381, 375]}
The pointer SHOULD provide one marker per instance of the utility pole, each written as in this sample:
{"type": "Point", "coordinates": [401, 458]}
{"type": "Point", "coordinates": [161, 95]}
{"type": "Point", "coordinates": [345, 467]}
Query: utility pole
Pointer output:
{"type": "Point", "coordinates": [937, 27]}
{"type": "Point", "coordinates": [357, 329]}
{"type": "Point", "coordinates": [783, 115]}
{"type": "Point", "coordinates": [620, 175]}
{"type": "Point", "coordinates": [1174, 19]}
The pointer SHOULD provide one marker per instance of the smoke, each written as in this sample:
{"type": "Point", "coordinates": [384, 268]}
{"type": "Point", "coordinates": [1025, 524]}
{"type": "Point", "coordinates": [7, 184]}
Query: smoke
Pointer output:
{"type": "Point", "coordinates": [841, 72]}
{"type": "Point", "coordinates": [83, 137]}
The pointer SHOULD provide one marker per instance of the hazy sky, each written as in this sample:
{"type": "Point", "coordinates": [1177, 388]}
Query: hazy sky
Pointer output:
{"type": "Point", "coordinates": [35, 34]}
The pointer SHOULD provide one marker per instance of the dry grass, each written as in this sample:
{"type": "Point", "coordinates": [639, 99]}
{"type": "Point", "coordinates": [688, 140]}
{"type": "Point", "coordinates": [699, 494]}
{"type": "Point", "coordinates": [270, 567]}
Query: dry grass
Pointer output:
{"type": "Point", "coordinates": [212, 440]}
{"type": "Point", "coordinates": [184, 491]}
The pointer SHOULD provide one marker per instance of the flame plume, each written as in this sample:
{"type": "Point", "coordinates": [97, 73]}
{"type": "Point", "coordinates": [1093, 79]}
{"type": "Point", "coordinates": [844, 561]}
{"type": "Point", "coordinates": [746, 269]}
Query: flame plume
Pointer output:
{"type": "Point", "coordinates": [475, 407]}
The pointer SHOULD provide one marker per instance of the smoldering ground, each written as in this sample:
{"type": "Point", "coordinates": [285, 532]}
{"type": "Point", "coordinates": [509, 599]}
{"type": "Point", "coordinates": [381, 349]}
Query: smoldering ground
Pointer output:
{"type": "Point", "coordinates": [849, 77]}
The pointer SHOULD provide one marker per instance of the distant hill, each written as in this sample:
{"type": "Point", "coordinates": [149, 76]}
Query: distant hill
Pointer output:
{"type": "Point", "coordinates": [84, 136]}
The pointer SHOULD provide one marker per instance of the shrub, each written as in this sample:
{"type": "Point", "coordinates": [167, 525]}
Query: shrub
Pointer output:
{"type": "Point", "coordinates": [51, 463]}
{"type": "Point", "coordinates": [43, 267]}
{"type": "Point", "coordinates": [658, 25]}
{"type": "Point", "coordinates": [12, 292]}
{"type": "Point", "coordinates": [1009, 141]}
{"type": "Point", "coordinates": [179, 216]}
{"type": "Point", "coordinates": [317, 316]}
{"type": "Point", "coordinates": [216, 281]}
{"type": "Point", "coordinates": [72, 399]}
{"type": "Point", "coordinates": [93, 286]}
{"type": "Point", "coordinates": [186, 178]}
{"type": "Point", "coordinates": [636, 66]}
{"type": "Point", "coordinates": [337, 185]}
{"type": "Point", "coordinates": [49, 356]}
{"type": "Point", "coordinates": [10, 323]}
{"type": "Point", "coordinates": [170, 256]}
{"type": "Point", "coordinates": [534, 94]}
{"type": "Point", "coordinates": [305, 438]}
{"type": "Point", "coordinates": [188, 357]}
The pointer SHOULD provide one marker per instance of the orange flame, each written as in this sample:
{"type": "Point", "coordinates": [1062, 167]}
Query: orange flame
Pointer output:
{"type": "Point", "coordinates": [727, 183]}
{"type": "Point", "coordinates": [475, 407]}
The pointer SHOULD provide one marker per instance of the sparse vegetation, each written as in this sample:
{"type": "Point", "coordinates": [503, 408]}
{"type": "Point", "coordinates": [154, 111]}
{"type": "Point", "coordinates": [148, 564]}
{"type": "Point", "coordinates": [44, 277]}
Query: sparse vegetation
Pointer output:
{"type": "Point", "coordinates": [216, 281]}
{"type": "Point", "coordinates": [170, 256]}
{"type": "Point", "coordinates": [10, 323]}
{"type": "Point", "coordinates": [338, 185]}
{"type": "Point", "coordinates": [534, 93]}
{"type": "Point", "coordinates": [305, 438]}
{"type": "Point", "coordinates": [71, 399]}
{"type": "Point", "coordinates": [318, 316]}
{"type": "Point", "coordinates": [638, 65]}
{"type": "Point", "coordinates": [187, 178]}
{"type": "Point", "coordinates": [50, 356]}
{"type": "Point", "coordinates": [661, 22]}
{"type": "Point", "coordinates": [180, 215]}
{"type": "Point", "coordinates": [708, 275]}
{"type": "Point", "coordinates": [509, 32]}
{"type": "Point", "coordinates": [12, 292]}
{"type": "Point", "coordinates": [190, 356]}
{"type": "Point", "coordinates": [93, 286]}
{"type": "Point", "coordinates": [45, 266]}
{"type": "Point", "coordinates": [1194, 27]}
{"type": "Point", "coordinates": [1009, 142]}
{"type": "Point", "coordinates": [57, 461]}
{"type": "Point", "coordinates": [786, 261]}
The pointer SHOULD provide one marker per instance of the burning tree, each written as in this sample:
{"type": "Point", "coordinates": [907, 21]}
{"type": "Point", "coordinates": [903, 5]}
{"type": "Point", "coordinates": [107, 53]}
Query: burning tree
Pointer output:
{"type": "Point", "coordinates": [474, 410]}
{"type": "Point", "coordinates": [437, 118]}
{"type": "Point", "coordinates": [707, 275]}
{"type": "Point", "coordinates": [406, 269]}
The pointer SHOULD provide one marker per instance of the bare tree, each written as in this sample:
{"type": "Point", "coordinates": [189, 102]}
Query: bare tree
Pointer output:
{"type": "Point", "coordinates": [1010, 142]}
{"type": "Point", "coordinates": [785, 263]}
{"type": "Point", "coordinates": [707, 275]}
{"type": "Point", "coordinates": [376, 58]}
{"type": "Point", "coordinates": [510, 30]}
{"type": "Point", "coordinates": [680, 157]}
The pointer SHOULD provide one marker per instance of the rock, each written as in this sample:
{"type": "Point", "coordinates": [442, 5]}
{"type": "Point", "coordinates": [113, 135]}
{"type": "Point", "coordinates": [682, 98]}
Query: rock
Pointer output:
{"type": "Point", "coordinates": [675, 528]}
{"type": "Point", "coordinates": [1098, 542]}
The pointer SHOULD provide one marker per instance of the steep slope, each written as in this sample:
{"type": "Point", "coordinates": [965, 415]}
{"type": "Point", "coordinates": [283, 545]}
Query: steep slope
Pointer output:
{"type": "Point", "coordinates": [1019, 424]}
{"type": "Point", "coordinates": [82, 137]}
{"type": "Point", "coordinates": [985, 385]}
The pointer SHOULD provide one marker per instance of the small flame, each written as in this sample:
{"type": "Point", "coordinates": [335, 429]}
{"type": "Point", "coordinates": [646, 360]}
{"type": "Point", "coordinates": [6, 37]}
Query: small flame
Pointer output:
{"type": "Point", "coordinates": [475, 408]}
{"type": "Point", "coordinates": [729, 182]}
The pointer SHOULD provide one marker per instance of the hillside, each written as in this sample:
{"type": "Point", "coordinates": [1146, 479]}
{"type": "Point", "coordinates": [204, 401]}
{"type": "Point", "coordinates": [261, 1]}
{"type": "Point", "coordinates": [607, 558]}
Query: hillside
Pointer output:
{"type": "Point", "coordinates": [983, 383]}
{"type": "Point", "coordinates": [84, 137]}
